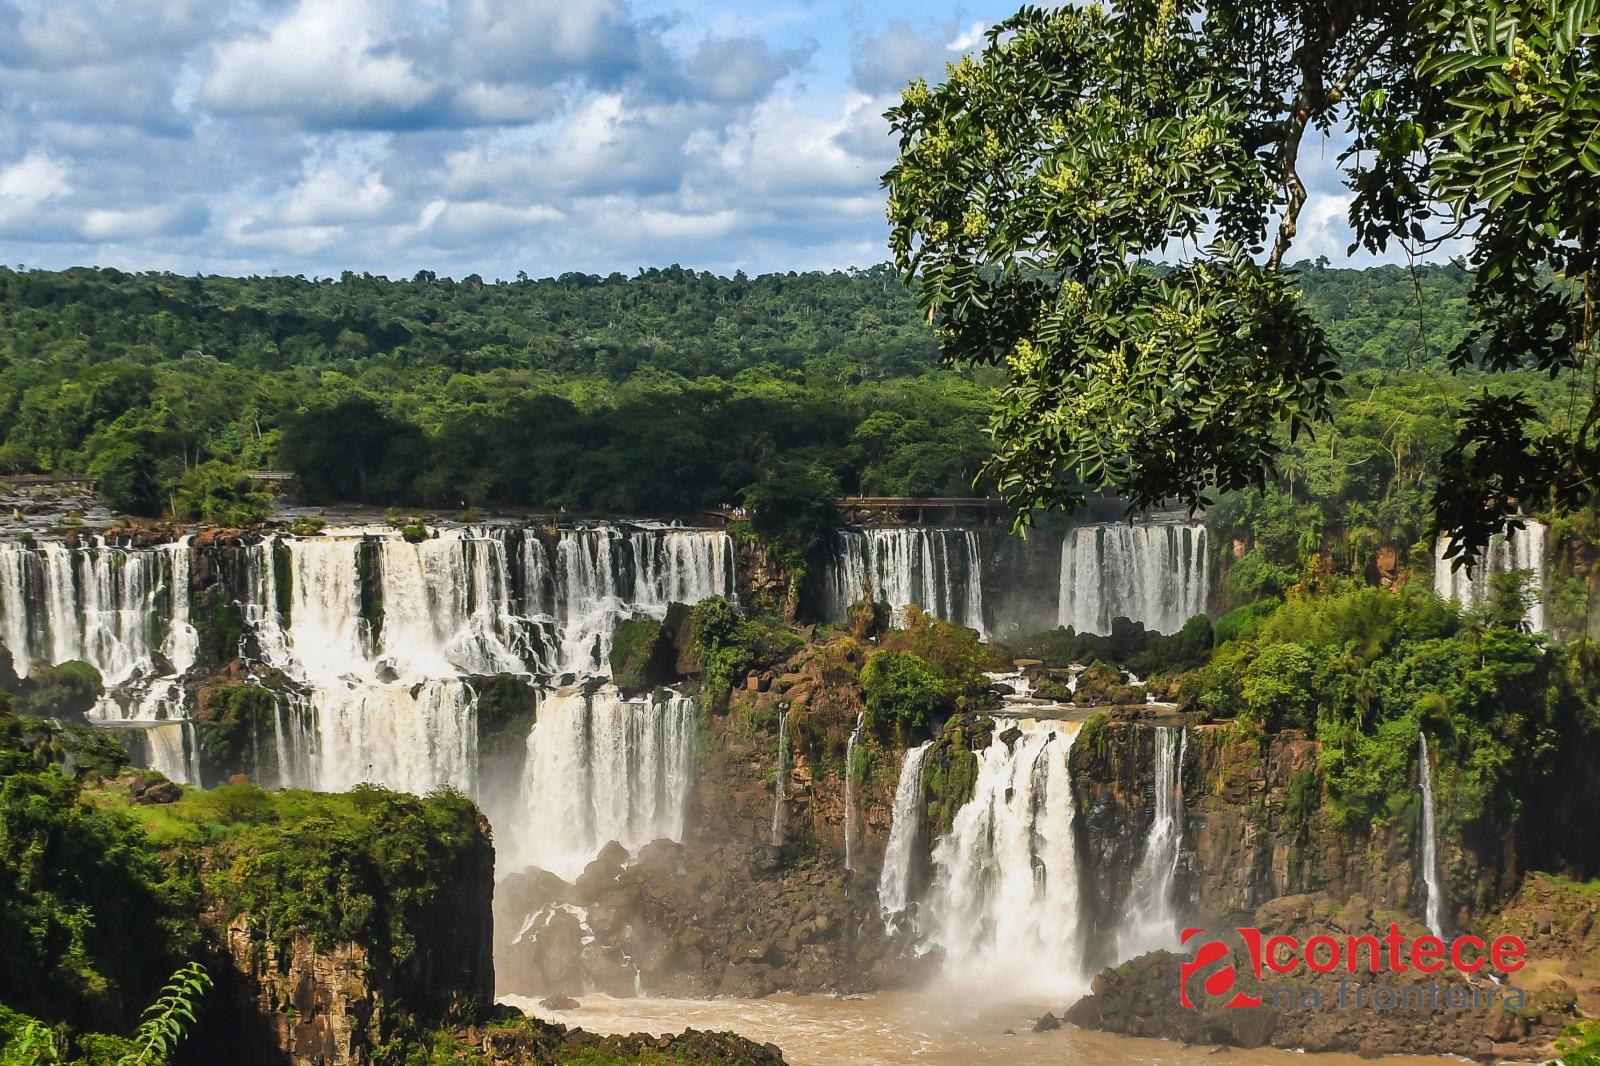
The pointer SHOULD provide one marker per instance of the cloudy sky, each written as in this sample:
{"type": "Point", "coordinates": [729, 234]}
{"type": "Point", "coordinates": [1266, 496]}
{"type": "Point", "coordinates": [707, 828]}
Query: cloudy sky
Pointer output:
{"type": "Point", "coordinates": [462, 136]}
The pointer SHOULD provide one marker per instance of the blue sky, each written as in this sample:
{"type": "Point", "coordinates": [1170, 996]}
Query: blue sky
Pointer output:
{"type": "Point", "coordinates": [466, 136]}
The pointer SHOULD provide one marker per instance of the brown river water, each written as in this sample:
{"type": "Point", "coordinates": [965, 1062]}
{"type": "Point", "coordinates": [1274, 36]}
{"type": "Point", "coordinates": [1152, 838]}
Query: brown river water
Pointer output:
{"type": "Point", "coordinates": [928, 1028]}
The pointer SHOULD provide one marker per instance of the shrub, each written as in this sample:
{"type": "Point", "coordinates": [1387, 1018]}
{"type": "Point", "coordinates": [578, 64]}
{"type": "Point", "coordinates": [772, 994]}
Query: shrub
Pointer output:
{"type": "Point", "coordinates": [904, 691]}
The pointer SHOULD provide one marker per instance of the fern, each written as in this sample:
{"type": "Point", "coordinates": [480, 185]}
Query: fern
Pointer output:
{"type": "Point", "coordinates": [168, 1020]}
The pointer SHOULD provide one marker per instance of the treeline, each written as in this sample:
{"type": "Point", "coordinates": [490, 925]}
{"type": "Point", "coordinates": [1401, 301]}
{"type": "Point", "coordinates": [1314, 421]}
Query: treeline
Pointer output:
{"type": "Point", "coordinates": [659, 393]}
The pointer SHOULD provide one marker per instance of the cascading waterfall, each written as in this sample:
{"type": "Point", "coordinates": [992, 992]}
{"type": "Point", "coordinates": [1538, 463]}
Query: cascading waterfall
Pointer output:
{"type": "Point", "coordinates": [939, 570]}
{"type": "Point", "coordinates": [447, 607]}
{"type": "Point", "coordinates": [1430, 852]}
{"type": "Point", "coordinates": [673, 565]}
{"type": "Point", "coordinates": [109, 607]}
{"type": "Point", "coordinates": [1157, 574]}
{"type": "Point", "coordinates": [603, 575]}
{"type": "Point", "coordinates": [1517, 550]}
{"type": "Point", "coordinates": [1004, 904]}
{"type": "Point", "coordinates": [780, 788]}
{"type": "Point", "coordinates": [905, 837]}
{"type": "Point", "coordinates": [1152, 920]}
{"type": "Point", "coordinates": [383, 637]}
{"type": "Point", "coordinates": [602, 768]}
{"type": "Point", "coordinates": [327, 637]}
{"type": "Point", "coordinates": [414, 740]}
{"type": "Point", "coordinates": [850, 793]}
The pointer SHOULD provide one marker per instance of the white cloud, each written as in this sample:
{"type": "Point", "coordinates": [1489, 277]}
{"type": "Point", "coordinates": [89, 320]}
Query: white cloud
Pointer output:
{"type": "Point", "coordinates": [28, 184]}
{"type": "Point", "coordinates": [329, 196]}
{"type": "Point", "coordinates": [969, 39]}
{"type": "Point", "coordinates": [326, 64]}
{"type": "Point", "coordinates": [116, 224]}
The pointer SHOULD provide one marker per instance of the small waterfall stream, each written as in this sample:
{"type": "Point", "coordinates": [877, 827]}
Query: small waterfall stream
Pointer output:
{"type": "Point", "coordinates": [905, 837]}
{"type": "Point", "coordinates": [1430, 853]}
{"type": "Point", "coordinates": [1151, 922]}
{"type": "Point", "coordinates": [850, 793]}
{"type": "Point", "coordinates": [780, 788]}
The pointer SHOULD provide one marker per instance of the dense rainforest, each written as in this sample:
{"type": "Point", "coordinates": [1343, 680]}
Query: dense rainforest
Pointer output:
{"type": "Point", "coordinates": [654, 394]}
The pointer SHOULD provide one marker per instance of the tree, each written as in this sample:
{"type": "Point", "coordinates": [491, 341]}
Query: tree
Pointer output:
{"type": "Point", "coordinates": [1036, 185]}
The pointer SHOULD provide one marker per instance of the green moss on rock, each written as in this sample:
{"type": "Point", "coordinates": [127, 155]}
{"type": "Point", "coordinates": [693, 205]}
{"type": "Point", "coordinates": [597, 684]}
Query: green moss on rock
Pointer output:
{"type": "Point", "coordinates": [642, 655]}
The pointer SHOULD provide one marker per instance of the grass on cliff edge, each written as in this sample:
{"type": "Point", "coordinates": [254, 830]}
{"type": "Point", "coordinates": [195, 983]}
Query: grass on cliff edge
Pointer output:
{"type": "Point", "coordinates": [369, 865]}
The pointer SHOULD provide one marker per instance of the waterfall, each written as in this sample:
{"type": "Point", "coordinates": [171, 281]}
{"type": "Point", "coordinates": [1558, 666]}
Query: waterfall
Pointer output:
{"type": "Point", "coordinates": [411, 739]}
{"type": "Point", "coordinates": [327, 638]}
{"type": "Point", "coordinates": [1004, 904]}
{"type": "Point", "coordinates": [601, 768]}
{"type": "Point", "coordinates": [849, 793]}
{"type": "Point", "coordinates": [1430, 853]}
{"type": "Point", "coordinates": [604, 575]}
{"type": "Point", "coordinates": [1157, 574]}
{"type": "Point", "coordinates": [939, 570]}
{"type": "Point", "coordinates": [1151, 922]}
{"type": "Point", "coordinates": [780, 788]}
{"type": "Point", "coordinates": [447, 606]}
{"type": "Point", "coordinates": [673, 565]}
{"type": "Point", "coordinates": [171, 750]}
{"type": "Point", "coordinates": [382, 638]}
{"type": "Point", "coordinates": [113, 608]}
{"type": "Point", "coordinates": [905, 836]}
{"type": "Point", "coordinates": [182, 645]}
{"type": "Point", "coordinates": [1516, 550]}
{"type": "Point", "coordinates": [294, 742]}
{"type": "Point", "coordinates": [258, 607]}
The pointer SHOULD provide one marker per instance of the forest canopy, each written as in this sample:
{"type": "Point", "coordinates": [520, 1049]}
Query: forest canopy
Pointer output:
{"type": "Point", "coordinates": [655, 394]}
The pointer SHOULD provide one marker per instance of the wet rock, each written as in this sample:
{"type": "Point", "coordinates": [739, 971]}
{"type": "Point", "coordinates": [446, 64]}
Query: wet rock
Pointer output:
{"type": "Point", "coordinates": [559, 1003]}
{"type": "Point", "coordinates": [1047, 1023]}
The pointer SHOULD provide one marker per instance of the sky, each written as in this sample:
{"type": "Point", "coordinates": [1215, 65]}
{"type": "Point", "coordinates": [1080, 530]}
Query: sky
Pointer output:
{"type": "Point", "coordinates": [470, 136]}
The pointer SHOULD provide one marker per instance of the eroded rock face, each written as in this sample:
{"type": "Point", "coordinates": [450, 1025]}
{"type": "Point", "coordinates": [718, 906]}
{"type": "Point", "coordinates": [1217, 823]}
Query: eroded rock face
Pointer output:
{"type": "Point", "coordinates": [1254, 830]}
{"type": "Point", "coordinates": [693, 921]}
{"type": "Point", "coordinates": [313, 1006]}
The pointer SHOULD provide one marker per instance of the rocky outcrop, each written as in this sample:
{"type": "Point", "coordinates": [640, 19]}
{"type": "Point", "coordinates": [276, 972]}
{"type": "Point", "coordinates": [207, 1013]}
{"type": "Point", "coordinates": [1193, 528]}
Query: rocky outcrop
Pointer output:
{"type": "Point", "coordinates": [1388, 1014]}
{"type": "Point", "coordinates": [692, 921]}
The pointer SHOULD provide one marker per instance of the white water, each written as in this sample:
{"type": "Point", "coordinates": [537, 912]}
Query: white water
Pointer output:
{"type": "Point", "coordinates": [1151, 922]}
{"type": "Point", "coordinates": [182, 644]}
{"type": "Point", "coordinates": [603, 575]}
{"type": "Point", "coordinates": [600, 768]}
{"type": "Point", "coordinates": [1158, 574]}
{"type": "Point", "coordinates": [905, 836]}
{"type": "Point", "coordinates": [1004, 904]}
{"type": "Point", "coordinates": [109, 607]}
{"type": "Point", "coordinates": [172, 750]}
{"type": "Point", "coordinates": [1430, 848]}
{"type": "Point", "coordinates": [411, 740]}
{"type": "Point", "coordinates": [939, 570]}
{"type": "Point", "coordinates": [386, 698]}
{"type": "Point", "coordinates": [850, 793]}
{"type": "Point", "coordinates": [780, 788]}
{"type": "Point", "coordinates": [1517, 550]}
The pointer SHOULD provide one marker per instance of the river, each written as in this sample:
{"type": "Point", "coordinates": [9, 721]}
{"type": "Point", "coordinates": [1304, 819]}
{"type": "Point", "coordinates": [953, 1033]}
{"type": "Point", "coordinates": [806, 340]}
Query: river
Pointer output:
{"type": "Point", "coordinates": [927, 1028]}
